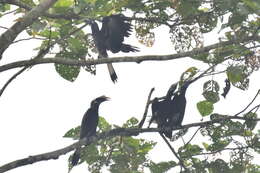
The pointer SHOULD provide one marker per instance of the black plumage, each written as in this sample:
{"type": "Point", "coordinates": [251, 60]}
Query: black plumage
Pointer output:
{"type": "Point", "coordinates": [115, 28]}
{"type": "Point", "coordinates": [111, 37]}
{"type": "Point", "coordinates": [99, 40]}
{"type": "Point", "coordinates": [169, 112]}
{"type": "Point", "coordinates": [226, 89]}
{"type": "Point", "coordinates": [88, 125]}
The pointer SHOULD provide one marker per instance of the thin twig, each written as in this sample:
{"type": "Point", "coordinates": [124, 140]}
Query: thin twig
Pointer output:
{"type": "Point", "coordinates": [248, 104]}
{"type": "Point", "coordinates": [31, 38]}
{"type": "Point", "coordinates": [9, 12]}
{"type": "Point", "coordinates": [11, 79]}
{"type": "Point", "coordinates": [146, 109]}
{"type": "Point", "coordinates": [192, 137]}
{"type": "Point", "coordinates": [173, 151]}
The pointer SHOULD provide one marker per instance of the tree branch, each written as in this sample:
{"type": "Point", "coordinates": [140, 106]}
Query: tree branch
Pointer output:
{"type": "Point", "coordinates": [248, 104]}
{"type": "Point", "coordinates": [11, 79]}
{"type": "Point", "coordinates": [109, 134]}
{"type": "Point", "coordinates": [140, 125]}
{"type": "Point", "coordinates": [9, 36]}
{"type": "Point", "coordinates": [20, 4]}
{"type": "Point", "coordinates": [137, 59]}
{"type": "Point", "coordinates": [174, 152]}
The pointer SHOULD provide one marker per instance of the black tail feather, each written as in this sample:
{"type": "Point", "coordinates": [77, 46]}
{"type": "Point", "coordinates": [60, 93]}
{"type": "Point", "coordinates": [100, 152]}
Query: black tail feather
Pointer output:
{"type": "Point", "coordinates": [128, 48]}
{"type": "Point", "coordinates": [112, 72]}
{"type": "Point", "coordinates": [75, 157]}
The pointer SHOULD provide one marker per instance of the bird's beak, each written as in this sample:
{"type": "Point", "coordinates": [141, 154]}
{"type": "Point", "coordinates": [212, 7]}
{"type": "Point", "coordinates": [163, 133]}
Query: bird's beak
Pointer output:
{"type": "Point", "coordinates": [107, 98]}
{"type": "Point", "coordinates": [104, 98]}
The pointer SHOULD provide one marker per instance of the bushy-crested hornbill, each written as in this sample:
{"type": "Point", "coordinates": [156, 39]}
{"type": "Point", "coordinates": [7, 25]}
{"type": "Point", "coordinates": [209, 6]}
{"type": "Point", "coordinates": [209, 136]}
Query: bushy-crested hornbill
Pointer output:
{"type": "Point", "coordinates": [110, 37]}
{"type": "Point", "coordinates": [169, 111]}
{"type": "Point", "coordinates": [115, 28]}
{"type": "Point", "coordinates": [88, 125]}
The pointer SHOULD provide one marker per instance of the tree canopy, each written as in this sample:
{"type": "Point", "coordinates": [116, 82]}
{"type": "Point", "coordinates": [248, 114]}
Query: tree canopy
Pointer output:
{"type": "Point", "coordinates": [66, 42]}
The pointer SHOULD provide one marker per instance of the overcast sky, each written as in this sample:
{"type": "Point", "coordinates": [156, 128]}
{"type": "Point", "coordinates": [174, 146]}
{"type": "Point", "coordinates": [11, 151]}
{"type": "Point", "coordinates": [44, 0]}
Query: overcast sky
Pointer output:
{"type": "Point", "coordinates": [40, 106]}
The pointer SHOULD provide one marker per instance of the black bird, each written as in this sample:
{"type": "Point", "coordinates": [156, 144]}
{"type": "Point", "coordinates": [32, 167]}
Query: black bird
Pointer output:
{"type": "Point", "coordinates": [178, 106]}
{"type": "Point", "coordinates": [111, 36]}
{"type": "Point", "coordinates": [169, 112]}
{"type": "Point", "coordinates": [114, 29]}
{"type": "Point", "coordinates": [88, 125]}
{"type": "Point", "coordinates": [100, 43]}
{"type": "Point", "coordinates": [162, 110]}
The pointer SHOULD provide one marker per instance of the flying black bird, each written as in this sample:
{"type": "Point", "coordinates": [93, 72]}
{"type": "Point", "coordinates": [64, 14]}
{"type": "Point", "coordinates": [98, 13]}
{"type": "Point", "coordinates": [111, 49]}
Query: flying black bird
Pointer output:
{"type": "Point", "coordinates": [88, 125]}
{"type": "Point", "coordinates": [100, 43]}
{"type": "Point", "coordinates": [114, 29]}
{"type": "Point", "coordinates": [110, 37]}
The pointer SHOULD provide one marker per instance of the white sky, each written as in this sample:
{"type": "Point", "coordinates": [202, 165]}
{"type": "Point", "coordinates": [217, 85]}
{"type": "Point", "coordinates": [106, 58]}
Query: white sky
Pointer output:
{"type": "Point", "coordinates": [39, 106]}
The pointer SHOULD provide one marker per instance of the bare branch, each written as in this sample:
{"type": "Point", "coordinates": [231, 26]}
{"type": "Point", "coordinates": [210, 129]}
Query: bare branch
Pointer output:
{"type": "Point", "coordinates": [146, 109]}
{"type": "Point", "coordinates": [11, 79]}
{"type": "Point", "coordinates": [9, 36]}
{"type": "Point", "coordinates": [248, 104]}
{"type": "Point", "coordinates": [173, 151]}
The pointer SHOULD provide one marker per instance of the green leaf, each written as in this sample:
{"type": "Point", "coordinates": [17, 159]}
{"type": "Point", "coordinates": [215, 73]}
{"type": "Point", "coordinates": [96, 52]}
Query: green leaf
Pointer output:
{"type": "Point", "coordinates": [205, 107]}
{"type": "Point", "coordinates": [64, 3]}
{"type": "Point", "coordinates": [103, 125]}
{"type": "Point", "coordinates": [206, 146]}
{"type": "Point", "coordinates": [132, 122]}
{"type": "Point", "coordinates": [250, 122]}
{"type": "Point", "coordinates": [73, 133]}
{"type": "Point", "coordinates": [69, 73]}
{"type": "Point", "coordinates": [161, 166]}
{"type": "Point", "coordinates": [210, 91]}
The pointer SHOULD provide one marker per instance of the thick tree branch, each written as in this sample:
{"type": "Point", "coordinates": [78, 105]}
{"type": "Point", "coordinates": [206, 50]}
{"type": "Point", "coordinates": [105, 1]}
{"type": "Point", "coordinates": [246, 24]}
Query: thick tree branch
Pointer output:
{"type": "Point", "coordinates": [137, 59]}
{"type": "Point", "coordinates": [20, 4]}
{"type": "Point", "coordinates": [9, 36]}
{"type": "Point", "coordinates": [109, 134]}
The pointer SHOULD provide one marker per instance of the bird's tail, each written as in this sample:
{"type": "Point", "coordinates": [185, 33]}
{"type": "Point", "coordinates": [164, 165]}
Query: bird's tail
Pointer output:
{"type": "Point", "coordinates": [128, 48]}
{"type": "Point", "coordinates": [112, 72]}
{"type": "Point", "coordinates": [75, 157]}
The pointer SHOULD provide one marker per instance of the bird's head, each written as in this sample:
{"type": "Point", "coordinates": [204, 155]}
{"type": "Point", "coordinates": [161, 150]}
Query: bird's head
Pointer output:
{"type": "Point", "coordinates": [99, 100]}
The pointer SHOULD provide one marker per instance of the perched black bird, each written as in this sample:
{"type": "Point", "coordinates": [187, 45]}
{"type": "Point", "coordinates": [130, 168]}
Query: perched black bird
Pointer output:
{"type": "Point", "coordinates": [111, 36]}
{"type": "Point", "coordinates": [178, 106]}
{"type": "Point", "coordinates": [88, 125]}
{"type": "Point", "coordinates": [169, 112]}
{"type": "Point", "coordinates": [162, 110]}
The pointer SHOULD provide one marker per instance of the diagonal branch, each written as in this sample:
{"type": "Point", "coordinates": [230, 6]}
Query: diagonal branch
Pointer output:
{"type": "Point", "coordinates": [9, 36]}
{"type": "Point", "coordinates": [258, 92]}
{"type": "Point", "coordinates": [140, 125]}
{"type": "Point", "coordinates": [137, 59]}
{"type": "Point", "coordinates": [174, 152]}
